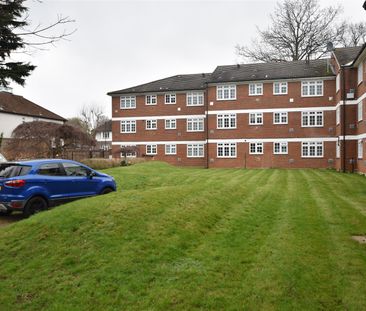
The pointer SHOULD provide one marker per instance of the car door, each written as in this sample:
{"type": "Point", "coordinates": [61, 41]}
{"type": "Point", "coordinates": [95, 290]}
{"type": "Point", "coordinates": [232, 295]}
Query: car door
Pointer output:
{"type": "Point", "coordinates": [52, 177]}
{"type": "Point", "coordinates": [83, 184]}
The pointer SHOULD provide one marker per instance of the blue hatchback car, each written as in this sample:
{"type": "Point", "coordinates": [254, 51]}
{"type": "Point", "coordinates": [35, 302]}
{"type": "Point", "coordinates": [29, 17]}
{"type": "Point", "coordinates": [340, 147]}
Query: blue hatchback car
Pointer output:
{"type": "Point", "coordinates": [33, 186]}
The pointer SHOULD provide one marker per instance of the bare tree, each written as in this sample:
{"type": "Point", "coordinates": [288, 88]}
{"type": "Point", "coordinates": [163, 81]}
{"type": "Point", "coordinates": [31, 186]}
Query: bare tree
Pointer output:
{"type": "Point", "coordinates": [19, 36]}
{"type": "Point", "coordinates": [354, 34]}
{"type": "Point", "coordinates": [300, 30]}
{"type": "Point", "coordinates": [92, 116]}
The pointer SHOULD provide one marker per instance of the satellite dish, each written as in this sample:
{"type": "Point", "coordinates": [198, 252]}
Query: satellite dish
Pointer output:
{"type": "Point", "coordinates": [330, 47]}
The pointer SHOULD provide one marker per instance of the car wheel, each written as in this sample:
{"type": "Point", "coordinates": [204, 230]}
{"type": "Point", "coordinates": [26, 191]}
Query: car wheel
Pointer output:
{"type": "Point", "coordinates": [106, 191]}
{"type": "Point", "coordinates": [34, 206]}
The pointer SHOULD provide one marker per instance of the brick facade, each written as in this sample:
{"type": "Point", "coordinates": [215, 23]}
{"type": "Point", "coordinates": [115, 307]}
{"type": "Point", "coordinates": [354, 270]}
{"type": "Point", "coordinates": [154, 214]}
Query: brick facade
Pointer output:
{"type": "Point", "coordinates": [329, 136]}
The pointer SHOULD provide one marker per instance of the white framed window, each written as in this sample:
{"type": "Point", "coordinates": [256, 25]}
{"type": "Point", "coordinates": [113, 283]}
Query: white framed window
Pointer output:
{"type": "Point", "coordinates": [195, 125]}
{"type": "Point", "coordinates": [311, 88]}
{"type": "Point", "coordinates": [256, 118]}
{"type": "Point", "coordinates": [151, 124]}
{"type": "Point", "coordinates": [170, 149]}
{"type": "Point", "coordinates": [128, 154]}
{"type": "Point", "coordinates": [312, 119]}
{"type": "Point", "coordinates": [280, 147]}
{"type": "Point", "coordinates": [280, 88]}
{"type": "Point", "coordinates": [195, 99]}
{"type": "Point", "coordinates": [170, 124]}
{"type": "Point", "coordinates": [360, 73]}
{"type": "Point", "coordinates": [226, 150]}
{"type": "Point", "coordinates": [170, 99]}
{"type": "Point", "coordinates": [360, 149]}
{"type": "Point", "coordinates": [312, 149]}
{"type": "Point", "coordinates": [226, 92]}
{"type": "Point", "coordinates": [338, 115]}
{"type": "Point", "coordinates": [255, 89]}
{"type": "Point", "coordinates": [338, 82]}
{"type": "Point", "coordinates": [151, 149]}
{"type": "Point", "coordinates": [128, 126]}
{"type": "Point", "coordinates": [360, 111]}
{"type": "Point", "coordinates": [150, 100]}
{"type": "Point", "coordinates": [226, 121]}
{"type": "Point", "coordinates": [106, 135]}
{"type": "Point", "coordinates": [128, 102]}
{"type": "Point", "coordinates": [256, 148]}
{"type": "Point", "coordinates": [195, 150]}
{"type": "Point", "coordinates": [338, 149]}
{"type": "Point", "coordinates": [280, 117]}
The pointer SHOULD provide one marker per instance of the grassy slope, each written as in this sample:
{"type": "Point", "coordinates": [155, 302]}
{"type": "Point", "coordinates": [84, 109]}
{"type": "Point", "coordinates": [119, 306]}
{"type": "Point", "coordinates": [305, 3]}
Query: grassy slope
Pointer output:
{"type": "Point", "coordinates": [194, 239]}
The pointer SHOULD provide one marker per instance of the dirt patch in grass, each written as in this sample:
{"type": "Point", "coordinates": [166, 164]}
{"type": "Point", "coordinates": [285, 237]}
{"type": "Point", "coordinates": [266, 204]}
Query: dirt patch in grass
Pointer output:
{"type": "Point", "coordinates": [7, 220]}
{"type": "Point", "coordinates": [359, 238]}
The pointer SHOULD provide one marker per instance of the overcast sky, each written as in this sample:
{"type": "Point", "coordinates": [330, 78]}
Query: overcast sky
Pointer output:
{"type": "Point", "coordinates": [119, 44]}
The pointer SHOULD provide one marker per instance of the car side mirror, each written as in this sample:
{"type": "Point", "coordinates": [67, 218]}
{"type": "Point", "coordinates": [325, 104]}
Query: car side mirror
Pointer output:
{"type": "Point", "coordinates": [91, 174]}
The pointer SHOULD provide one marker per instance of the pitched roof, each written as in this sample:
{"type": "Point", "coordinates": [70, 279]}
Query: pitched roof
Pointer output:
{"type": "Point", "coordinates": [174, 83]}
{"type": "Point", "coordinates": [347, 55]}
{"type": "Point", "coordinates": [106, 126]}
{"type": "Point", "coordinates": [15, 104]}
{"type": "Point", "coordinates": [271, 71]}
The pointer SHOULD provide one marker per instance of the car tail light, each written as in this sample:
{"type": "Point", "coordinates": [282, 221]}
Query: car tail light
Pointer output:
{"type": "Point", "coordinates": [18, 183]}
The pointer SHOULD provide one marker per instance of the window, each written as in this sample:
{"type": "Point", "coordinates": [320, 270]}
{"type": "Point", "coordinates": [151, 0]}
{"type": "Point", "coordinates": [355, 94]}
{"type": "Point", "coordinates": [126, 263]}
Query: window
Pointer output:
{"type": "Point", "coordinates": [226, 150]}
{"type": "Point", "coordinates": [360, 73]}
{"type": "Point", "coordinates": [279, 88]}
{"type": "Point", "coordinates": [312, 119]}
{"type": "Point", "coordinates": [105, 135]}
{"type": "Point", "coordinates": [72, 169]}
{"type": "Point", "coordinates": [360, 149]}
{"type": "Point", "coordinates": [195, 99]}
{"type": "Point", "coordinates": [338, 149]}
{"type": "Point", "coordinates": [8, 170]}
{"type": "Point", "coordinates": [359, 111]}
{"type": "Point", "coordinates": [226, 121]}
{"type": "Point", "coordinates": [171, 149]}
{"type": "Point", "coordinates": [338, 82]}
{"type": "Point", "coordinates": [312, 88]}
{"type": "Point", "coordinates": [50, 169]}
{"type": "Point", "coordinates": [195, 125]}
{"type": "Point", "coordinates": [255, 89]}
{"type": "Point", "coordinates": [256, 148]}
{"type": "Point", "coordinates": [128, 126]}
{"type": "Point", "coordinates": [280, 118]}
{"type": "Point", "coordinates": [151, 124]}
{"type": "Point", "coordinates": [128, 102]}
{"type": "Point", "coordinates": [338, 115]}
{"type": "Point", "coordinates": [170, 124]}
{"type": "Point", "coordinates": [195, 150]}
{"type": "Point", "coordinates": [226, 92]}
{"type": "Point", "coordinates": [128, 151]}
{"type": "Point", "coordinates": [280, 147]}
{"type": "Point", "coordinates": [312, 149]}
{"type": "Point", "coordinates": [151, 149]}
{"type": "Point", "coordinates": [256, 118]}
{"type": "Point", "coordinates": [170, 98]}
{"type": "Point", "coordinates": [150, 99]}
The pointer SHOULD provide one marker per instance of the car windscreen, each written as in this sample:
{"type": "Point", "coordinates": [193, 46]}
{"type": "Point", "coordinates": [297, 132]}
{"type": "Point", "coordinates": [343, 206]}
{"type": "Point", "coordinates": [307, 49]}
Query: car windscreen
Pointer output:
{"type": "Point", "coordinates": [8, 170]}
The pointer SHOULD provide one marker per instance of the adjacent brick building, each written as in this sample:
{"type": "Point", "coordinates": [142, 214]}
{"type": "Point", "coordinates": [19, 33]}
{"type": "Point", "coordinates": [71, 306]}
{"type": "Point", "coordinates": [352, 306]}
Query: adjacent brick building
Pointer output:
{"type": "Point", "coordinates": [292, 115]}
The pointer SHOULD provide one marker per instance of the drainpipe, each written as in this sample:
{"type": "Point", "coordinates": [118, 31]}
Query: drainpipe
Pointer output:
{"type": "Point", "coordinates": [206, 124]}
{"type": "Point", "coordinates": [343, 69]}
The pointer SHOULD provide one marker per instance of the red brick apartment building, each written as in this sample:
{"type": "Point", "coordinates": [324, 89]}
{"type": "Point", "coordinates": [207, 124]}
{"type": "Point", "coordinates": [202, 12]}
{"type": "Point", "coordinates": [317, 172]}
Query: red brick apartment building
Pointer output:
{"type": "Point", "coordinates": [291, 115]}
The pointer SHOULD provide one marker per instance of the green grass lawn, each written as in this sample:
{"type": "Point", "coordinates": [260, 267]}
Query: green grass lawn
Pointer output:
{"type": "Point", "coordinates": [194, 239]}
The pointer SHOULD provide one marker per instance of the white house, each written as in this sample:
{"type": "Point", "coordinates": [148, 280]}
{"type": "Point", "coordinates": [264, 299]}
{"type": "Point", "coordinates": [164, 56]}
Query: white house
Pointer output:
{"type": "Point", "coordinates": [103, 136]}
{"type": "Point", "coordinates": [15, 110]}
